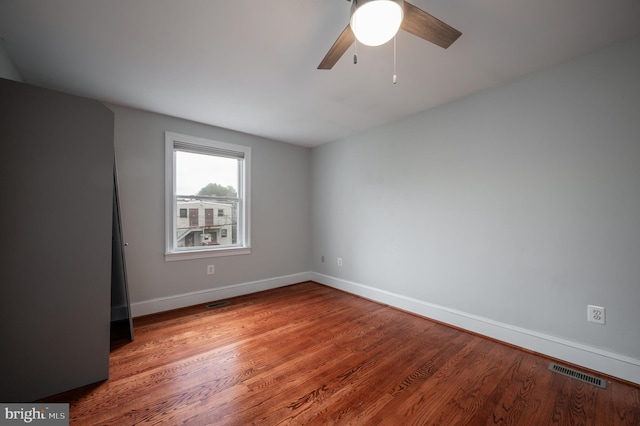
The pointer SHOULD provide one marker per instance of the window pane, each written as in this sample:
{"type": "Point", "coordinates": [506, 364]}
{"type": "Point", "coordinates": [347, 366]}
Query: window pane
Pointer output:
{"type": "Point", "coordinates": [206, 183]}
{"type": "Point", "coordinates": [195, 171]}
{"type": "Point", "coordinates": [202, 228]}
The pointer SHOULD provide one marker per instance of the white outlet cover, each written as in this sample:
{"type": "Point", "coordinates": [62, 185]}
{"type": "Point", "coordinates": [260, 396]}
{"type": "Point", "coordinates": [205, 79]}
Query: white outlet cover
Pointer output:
{"type": "Point", "coordinates": [596, 314]}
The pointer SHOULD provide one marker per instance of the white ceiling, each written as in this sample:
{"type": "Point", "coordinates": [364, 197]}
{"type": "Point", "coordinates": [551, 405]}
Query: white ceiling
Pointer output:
{"type": "Point", "coordinates": [250, 65]}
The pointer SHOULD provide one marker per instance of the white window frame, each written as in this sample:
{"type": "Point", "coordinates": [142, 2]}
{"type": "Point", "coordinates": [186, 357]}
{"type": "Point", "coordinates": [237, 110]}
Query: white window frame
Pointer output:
{"type": "Point", "coordinates": [202, 145]}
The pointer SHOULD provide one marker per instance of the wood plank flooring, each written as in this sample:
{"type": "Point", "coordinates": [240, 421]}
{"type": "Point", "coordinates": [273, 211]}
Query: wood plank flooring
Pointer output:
{"type": "Point", "coordinates": [309, 354]}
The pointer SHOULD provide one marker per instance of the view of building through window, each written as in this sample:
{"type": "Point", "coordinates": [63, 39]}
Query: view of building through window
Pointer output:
{"type": "Point", "coordinates": [206, 199]}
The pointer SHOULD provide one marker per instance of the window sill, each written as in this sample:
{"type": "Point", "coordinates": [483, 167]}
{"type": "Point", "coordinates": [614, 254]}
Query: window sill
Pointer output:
{"type": "Point", "coordinates": [203, 254]}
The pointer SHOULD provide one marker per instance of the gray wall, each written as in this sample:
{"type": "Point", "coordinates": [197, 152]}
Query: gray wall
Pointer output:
{"type": "Point", "coordinates": [280, 215]}
{"type": "Point", "coordinates": [519, 205]}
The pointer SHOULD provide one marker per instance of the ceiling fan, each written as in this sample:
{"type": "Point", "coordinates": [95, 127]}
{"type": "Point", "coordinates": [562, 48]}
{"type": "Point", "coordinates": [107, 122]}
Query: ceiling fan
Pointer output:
{"type": "Point", "coordinates": [407, 16]}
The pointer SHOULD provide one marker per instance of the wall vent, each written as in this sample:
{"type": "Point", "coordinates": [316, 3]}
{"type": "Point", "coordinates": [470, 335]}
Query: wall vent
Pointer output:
{"type": "Point", "coordinates": [217, 304]}
{"type": "Point", "coordinates": [587, 378]}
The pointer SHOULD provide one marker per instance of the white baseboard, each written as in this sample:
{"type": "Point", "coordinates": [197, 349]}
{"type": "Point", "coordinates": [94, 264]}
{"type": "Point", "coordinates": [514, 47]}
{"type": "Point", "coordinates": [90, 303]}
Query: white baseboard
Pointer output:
{"type": "Point", "coordinates": [188, 299]}
{"type": "Point", "coordinates": [596, 359]}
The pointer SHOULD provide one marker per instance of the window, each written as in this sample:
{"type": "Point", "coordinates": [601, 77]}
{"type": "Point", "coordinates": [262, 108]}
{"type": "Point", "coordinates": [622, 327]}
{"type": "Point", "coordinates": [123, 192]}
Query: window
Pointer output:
{"type": "Point", "coordinates": [203, 176]}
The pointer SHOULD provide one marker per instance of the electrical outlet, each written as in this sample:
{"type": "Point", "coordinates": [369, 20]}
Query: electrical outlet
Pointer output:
{"type": "Point", "coordinates": [596, 314]}
{"type": "Point", "coordinates": [211, 269]}
{"type": "Point", "coordinates": [339, 261]}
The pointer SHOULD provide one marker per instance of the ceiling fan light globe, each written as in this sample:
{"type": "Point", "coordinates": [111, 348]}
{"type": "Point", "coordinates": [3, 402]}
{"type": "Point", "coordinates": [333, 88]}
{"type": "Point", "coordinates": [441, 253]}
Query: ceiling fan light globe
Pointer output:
{"type": "Point", "coordinates": [375, 22]}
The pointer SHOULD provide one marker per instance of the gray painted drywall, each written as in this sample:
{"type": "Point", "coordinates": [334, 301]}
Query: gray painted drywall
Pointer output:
{"type": "Point", "coordinates": [56, 183]}
{"type": "Point", "coordinates": [519, 204]}
{"type": "Point", "coordinates": [8, 69]}
{"type": "Point", "coordinates": [280, 215]}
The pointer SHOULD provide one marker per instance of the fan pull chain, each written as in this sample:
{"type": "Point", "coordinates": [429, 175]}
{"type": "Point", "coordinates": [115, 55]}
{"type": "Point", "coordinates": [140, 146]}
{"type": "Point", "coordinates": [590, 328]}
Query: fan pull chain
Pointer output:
{"type": "Point", "coordinates": [395, 76]}
{"type": "Point", "coordinates": [355, 52]}
{"type": "Point", "coordinates": [355, 43]}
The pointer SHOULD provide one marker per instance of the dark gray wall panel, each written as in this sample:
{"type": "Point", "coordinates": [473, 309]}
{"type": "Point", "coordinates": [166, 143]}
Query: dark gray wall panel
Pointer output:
{"type": "Point", "coordinates": [56, 183]}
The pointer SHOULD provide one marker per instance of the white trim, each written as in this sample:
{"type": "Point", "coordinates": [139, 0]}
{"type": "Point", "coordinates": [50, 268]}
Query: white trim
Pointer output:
{"type": "Point", "coordinates": [202, 254]}
{"type": "Point", "coordinates": [596, 359]}
{"type": "Point", "coordinates": [170, 189]}
{"type": "Point", "coordinates": [189, 299]}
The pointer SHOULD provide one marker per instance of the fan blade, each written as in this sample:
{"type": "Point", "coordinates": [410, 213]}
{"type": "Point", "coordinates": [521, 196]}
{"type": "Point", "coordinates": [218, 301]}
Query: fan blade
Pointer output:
{"type": "Point", "coordinates": [420, 23]}
{"type": "Point", "coordinates": [341, 45]}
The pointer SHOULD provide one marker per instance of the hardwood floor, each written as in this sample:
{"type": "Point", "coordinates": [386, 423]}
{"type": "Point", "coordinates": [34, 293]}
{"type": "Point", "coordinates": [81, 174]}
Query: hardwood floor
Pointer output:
{"type": "Point", "coordinates": [309, 354]}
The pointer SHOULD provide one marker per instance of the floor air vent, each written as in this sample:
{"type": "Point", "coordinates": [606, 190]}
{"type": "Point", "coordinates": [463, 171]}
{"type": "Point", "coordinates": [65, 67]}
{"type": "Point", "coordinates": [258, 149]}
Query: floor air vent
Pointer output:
{"type": "Point", "coordinates": [218, 304]}
{"type": "Point", "coordinates": [587, 378]}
